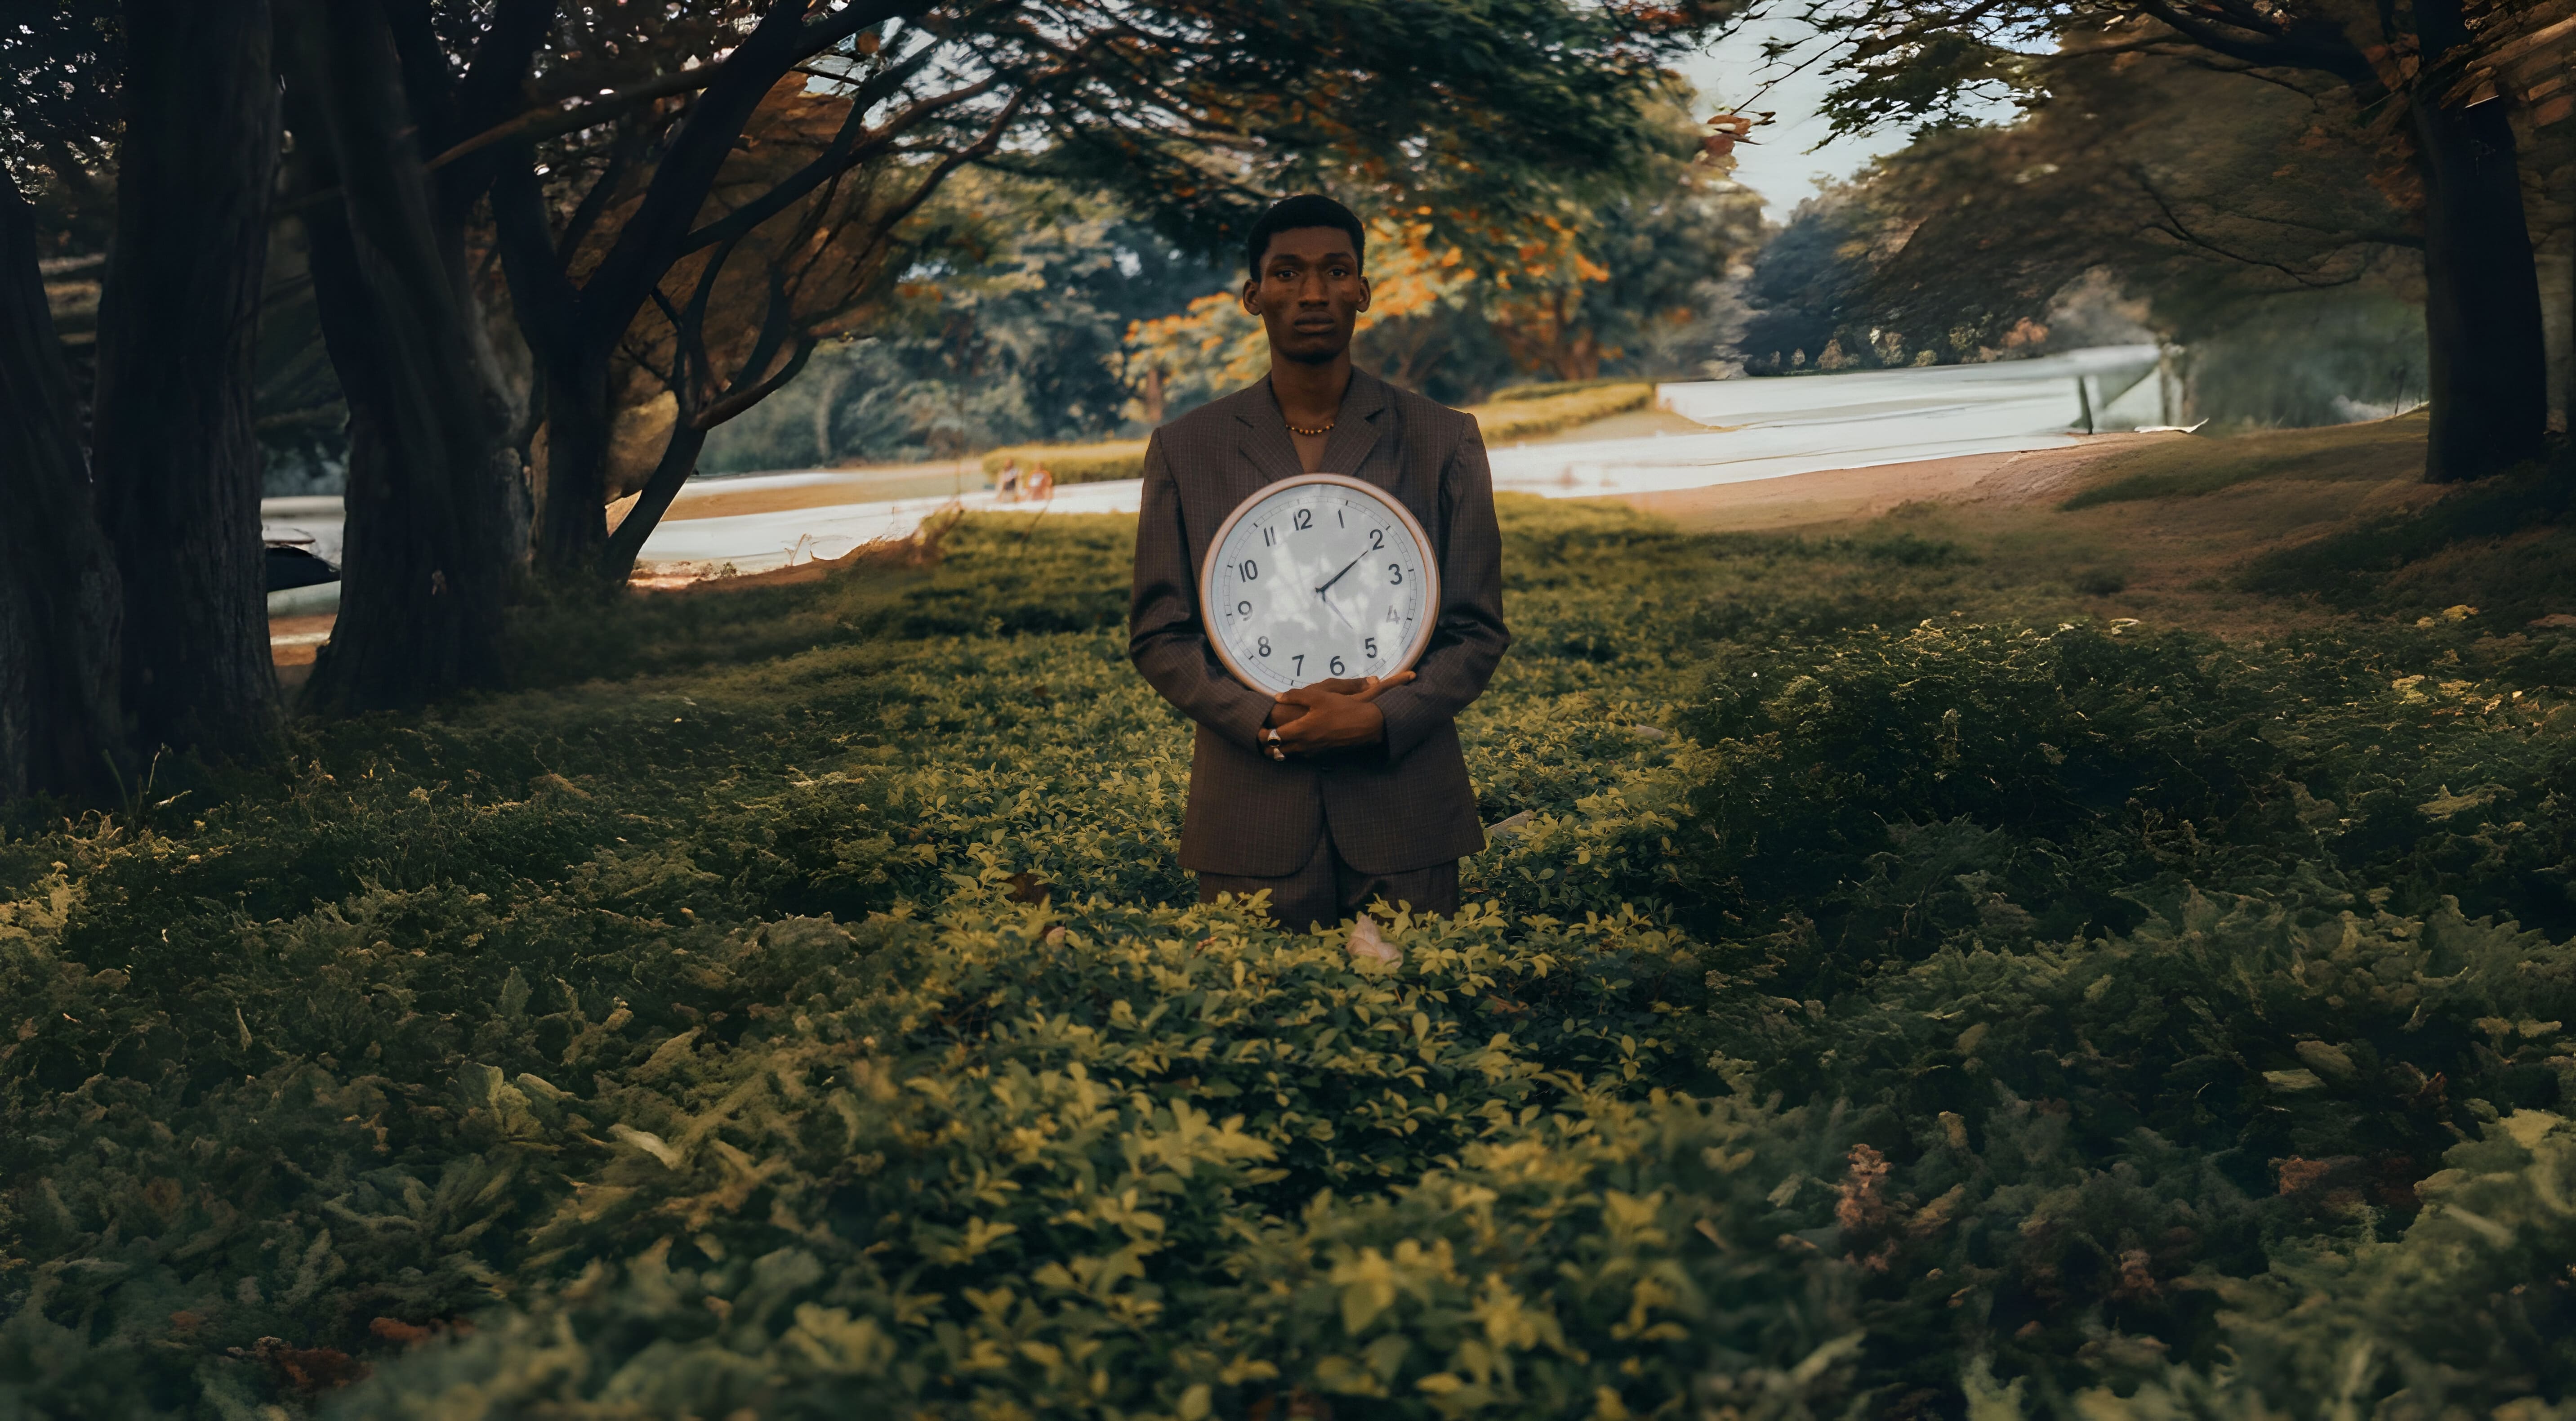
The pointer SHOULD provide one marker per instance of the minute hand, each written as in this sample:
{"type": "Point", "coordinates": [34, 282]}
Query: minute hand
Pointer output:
{"type": "Point", "coordinates": [1336, 577]}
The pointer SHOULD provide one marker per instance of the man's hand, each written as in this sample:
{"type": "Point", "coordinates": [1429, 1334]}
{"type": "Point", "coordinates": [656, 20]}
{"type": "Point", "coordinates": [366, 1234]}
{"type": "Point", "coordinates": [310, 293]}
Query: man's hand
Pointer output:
{"type": "Point", "coordinates": [1328, 715]}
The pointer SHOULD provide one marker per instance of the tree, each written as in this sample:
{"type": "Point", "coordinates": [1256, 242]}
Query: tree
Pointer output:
{"type": "Point", "coordinates": [1188, 106]}
{"type": "Point", "coordinates": [174, 453]}
{"type": "Point", "coordinates": [1030, 283]}
{"type": "Point", "coordinates": [1903, 60]}
{"type": "Point", "coordinates": [61, 717]}
{"type": "Point", "coordinates": [1589, 282]}
{"type": "Point", "coordinates": [2194, 190]}
{"type": "Point", "coordinates": [62, 725]}
{"type": "Point", "coordinates": [435, 505]}
{"type": "Point", "coordinates": [739, 320]}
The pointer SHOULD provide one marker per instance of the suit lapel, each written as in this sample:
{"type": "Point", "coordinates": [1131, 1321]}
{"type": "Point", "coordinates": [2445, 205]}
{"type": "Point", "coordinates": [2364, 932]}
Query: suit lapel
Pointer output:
{"type": "Point", "coordinates": [1356, 428]}
{"type": "Point", "coordinates": [1265, 441]}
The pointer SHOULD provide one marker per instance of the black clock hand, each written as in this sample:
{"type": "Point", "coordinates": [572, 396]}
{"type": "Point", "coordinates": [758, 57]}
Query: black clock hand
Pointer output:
{"type": "Point", "coordinates": [1336, 577]}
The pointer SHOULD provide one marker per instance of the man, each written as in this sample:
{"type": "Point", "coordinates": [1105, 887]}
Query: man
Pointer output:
{"type": "Point", "coordinates": [1338, 792]}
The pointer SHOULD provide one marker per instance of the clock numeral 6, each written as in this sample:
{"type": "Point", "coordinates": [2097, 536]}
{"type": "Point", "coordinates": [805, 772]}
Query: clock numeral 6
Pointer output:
{"type": "Point", "coordinates": [1337, 666]}
{"type": "Point", "coordinates": [1263, 646]}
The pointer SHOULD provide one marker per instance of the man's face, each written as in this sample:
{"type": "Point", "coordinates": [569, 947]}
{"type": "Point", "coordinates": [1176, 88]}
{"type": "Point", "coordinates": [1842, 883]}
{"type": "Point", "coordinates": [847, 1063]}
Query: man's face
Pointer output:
{"type": "Point", "coordinates": [1310, 293]}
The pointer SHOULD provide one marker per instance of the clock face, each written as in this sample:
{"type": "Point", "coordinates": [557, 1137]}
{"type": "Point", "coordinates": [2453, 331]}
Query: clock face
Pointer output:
{"type": "Point", "coordinates": [1319, 577]}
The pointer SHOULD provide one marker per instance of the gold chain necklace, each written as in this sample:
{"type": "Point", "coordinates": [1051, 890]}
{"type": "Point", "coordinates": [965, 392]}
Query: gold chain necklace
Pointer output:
{"type": "Point", "coordinates": [1314, 433]}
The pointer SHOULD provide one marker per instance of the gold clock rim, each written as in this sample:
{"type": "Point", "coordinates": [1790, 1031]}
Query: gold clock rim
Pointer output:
{"type": "Point", "coordinates": [1421, 639]}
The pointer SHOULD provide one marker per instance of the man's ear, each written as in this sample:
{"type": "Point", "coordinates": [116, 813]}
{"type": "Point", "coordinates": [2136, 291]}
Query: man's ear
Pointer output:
{"type": "Point", "coordinates": [1367, 294]}
{"type": "Point", "coordinates": [1251, 286]}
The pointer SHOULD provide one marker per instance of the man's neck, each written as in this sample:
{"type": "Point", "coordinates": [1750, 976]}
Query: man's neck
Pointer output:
{"type": "Point", "coordinates": [1310, 395]}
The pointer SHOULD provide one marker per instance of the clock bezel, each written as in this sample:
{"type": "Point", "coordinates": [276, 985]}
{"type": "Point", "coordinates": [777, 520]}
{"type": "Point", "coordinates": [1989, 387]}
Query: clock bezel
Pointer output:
{"type": "Point", "coordinates": [1413, 648]}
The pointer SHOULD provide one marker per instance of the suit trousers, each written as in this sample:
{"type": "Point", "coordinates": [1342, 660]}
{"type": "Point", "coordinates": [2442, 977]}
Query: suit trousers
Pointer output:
{"type": "Point", "coordinates": [1328, 891]}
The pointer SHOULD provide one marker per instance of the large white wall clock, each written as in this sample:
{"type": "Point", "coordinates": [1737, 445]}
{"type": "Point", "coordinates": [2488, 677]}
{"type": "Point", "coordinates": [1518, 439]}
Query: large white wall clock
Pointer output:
{"type": "Point", "coordinates": [1317, 577]}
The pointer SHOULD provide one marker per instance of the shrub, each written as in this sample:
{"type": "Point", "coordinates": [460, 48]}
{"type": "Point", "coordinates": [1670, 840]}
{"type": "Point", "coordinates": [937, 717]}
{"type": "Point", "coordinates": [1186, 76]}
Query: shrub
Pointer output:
{"type": "Point", "coordinates": [1515, 415]}
{"type": "Point", "coordinates": [2000, 1013]}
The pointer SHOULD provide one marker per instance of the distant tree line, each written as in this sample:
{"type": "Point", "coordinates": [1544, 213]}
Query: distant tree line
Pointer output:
{"type": "Point", "coordinates": [1058, 317]}
{"type": "Point", "coordinates": [508, 213]}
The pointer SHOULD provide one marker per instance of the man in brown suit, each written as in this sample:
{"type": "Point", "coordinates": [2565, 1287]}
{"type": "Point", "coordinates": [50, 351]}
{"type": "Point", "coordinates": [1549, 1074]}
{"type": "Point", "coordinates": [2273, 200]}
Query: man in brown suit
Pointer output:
{"type": "Point", "coordinates": [1340, 791]}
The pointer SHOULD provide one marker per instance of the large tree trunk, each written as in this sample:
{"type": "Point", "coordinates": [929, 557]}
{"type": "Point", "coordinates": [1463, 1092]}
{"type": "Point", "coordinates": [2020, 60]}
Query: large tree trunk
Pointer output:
{"type": "Point", "coordinates": [2489, 357]}
{"type": "Point", "coordinates": [572, 521]}
{"type": "Point", "coordinates": [60, 727]}
{"type": "Point", "coordinates": [175, 458]}
{"type": "Point", "coordinates": [429, 544]}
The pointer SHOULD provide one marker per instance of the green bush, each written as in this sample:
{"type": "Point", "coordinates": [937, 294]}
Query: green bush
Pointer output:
{"type": "Point", "coordinates": [1516, 414]}
{"type": "Point", "coordinates": [1866, 1015]}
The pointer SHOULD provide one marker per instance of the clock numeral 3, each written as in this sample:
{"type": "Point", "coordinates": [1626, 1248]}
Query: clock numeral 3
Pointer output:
{"type": "Point", "coordinates": [1394, 572]}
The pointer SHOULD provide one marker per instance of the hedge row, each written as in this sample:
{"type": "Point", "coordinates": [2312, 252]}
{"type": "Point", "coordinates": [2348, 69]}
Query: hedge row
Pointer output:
{"type": "Point", "coordinates": [1514, 416]}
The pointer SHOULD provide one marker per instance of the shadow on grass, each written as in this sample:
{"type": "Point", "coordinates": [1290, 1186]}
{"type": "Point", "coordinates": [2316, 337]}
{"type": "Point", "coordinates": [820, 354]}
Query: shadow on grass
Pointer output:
{"type": "Point", "coordinates": [2504, 545]}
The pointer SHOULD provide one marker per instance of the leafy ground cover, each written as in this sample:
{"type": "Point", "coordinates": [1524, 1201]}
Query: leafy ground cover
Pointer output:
{"type": "Point", "coordinates": [1900, 994]}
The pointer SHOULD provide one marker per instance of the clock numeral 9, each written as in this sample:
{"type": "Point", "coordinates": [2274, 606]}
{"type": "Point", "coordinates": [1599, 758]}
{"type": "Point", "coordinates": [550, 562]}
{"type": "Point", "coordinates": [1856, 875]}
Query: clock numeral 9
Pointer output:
{"type": "Point", "coordinates": [1263, 646]}
{"type": "Point", "coordinates": [1243, 609]}
{"type": "Point", "coordinates": [1337, 666]}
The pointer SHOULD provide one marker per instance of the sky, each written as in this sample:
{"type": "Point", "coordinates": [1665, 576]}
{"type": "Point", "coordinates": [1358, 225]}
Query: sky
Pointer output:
{"type": "Point", "coordinates": [1778, 163]}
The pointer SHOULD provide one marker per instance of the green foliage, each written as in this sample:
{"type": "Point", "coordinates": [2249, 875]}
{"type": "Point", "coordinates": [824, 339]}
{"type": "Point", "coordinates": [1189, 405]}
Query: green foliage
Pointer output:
{"type": "Point", "coordinates": [1892, 998]}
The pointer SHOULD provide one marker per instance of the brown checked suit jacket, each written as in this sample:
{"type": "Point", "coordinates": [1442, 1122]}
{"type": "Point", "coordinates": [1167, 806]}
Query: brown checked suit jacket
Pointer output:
{"type": "Point", "coordinates": [1391, 808]}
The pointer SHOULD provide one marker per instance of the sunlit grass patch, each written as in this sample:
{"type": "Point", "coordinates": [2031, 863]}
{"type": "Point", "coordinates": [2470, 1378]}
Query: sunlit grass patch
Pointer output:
{"type": "Point", "coordinates": [2186, 467]}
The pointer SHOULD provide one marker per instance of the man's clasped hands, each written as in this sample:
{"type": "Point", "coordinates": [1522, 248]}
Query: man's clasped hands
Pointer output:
{"type": "Point", "coordinates": [1328, 715]}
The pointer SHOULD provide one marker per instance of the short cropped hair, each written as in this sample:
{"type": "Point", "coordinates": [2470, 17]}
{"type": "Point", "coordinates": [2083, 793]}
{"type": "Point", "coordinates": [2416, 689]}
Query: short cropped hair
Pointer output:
{"type": "Point", "coordinates": [1306, 209]}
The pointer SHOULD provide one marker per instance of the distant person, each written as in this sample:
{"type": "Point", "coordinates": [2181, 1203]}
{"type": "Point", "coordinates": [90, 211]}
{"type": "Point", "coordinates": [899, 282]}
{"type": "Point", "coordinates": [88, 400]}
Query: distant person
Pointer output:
{"type": "Point", "coordinates": [1341, 791]}
{"type": "Point", "coordinates": [1008, 489]}
{"type": "Point", "coordinates": [1041, 484]}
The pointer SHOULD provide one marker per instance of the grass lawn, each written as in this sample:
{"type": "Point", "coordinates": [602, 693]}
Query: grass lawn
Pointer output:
{"type": "Point", "coordinates": [1917, 990]}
